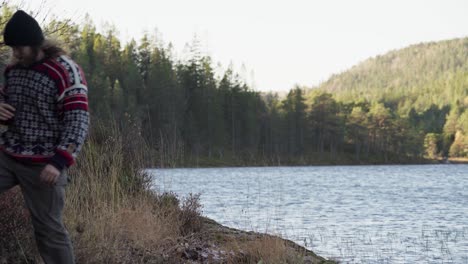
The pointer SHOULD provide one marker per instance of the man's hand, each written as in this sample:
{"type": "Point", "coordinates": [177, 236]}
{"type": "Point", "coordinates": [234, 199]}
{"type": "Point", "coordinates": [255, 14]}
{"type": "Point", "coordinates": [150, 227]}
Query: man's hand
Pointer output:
{"type": "Point", "coordinates": [49, 175]}
{"type": "Point", "coordinates": [6, 111]}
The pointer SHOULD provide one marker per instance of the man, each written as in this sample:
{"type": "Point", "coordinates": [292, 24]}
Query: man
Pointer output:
{"type": "Point", "coordinates": [45, 108]}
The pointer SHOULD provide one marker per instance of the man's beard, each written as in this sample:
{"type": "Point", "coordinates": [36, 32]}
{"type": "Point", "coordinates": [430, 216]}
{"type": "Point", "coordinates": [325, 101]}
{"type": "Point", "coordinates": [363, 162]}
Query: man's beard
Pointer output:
{"type": "Point", "coordinates": [30, 59]}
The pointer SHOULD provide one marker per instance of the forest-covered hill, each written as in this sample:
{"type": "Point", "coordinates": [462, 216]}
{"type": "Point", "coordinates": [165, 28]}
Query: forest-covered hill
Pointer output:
{"type": "Point", "coordinates": [426, 83]}
{"type": "Point", "coordinates": [414, 77]}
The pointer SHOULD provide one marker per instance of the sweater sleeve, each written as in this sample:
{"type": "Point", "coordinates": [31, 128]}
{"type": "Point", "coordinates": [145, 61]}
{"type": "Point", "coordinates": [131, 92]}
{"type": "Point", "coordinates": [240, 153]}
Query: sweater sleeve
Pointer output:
{"type": "Point", "coordinates": [73, 108]}
{"type": "Point", "coordinates": [2, 100]}
{"type": "Point", "coordinates": [2, 91]}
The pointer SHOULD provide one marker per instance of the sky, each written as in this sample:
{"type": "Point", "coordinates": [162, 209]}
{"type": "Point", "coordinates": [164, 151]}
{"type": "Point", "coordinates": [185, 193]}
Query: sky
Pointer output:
{"type": "Point", "coordinates": [273, 44]}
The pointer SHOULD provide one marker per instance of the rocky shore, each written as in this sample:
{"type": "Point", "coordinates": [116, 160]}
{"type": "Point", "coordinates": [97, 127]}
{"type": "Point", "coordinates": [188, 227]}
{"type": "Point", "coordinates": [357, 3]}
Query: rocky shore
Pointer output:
{"type": "Point", "coordinates": [216, 243]}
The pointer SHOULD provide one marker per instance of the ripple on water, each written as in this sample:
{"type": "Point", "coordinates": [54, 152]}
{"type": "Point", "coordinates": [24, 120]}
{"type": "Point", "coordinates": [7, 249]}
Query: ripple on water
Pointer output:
{"type": "Point", "coordinates": [356, 214]}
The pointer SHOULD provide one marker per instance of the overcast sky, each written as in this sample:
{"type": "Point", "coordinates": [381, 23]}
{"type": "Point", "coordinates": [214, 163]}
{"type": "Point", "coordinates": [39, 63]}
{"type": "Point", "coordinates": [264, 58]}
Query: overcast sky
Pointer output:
{"type": "Point", "coordinates": [283, 42]}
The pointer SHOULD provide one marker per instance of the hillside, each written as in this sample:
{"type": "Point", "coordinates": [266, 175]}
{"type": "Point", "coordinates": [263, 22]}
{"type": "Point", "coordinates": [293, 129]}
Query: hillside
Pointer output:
{"type": "Point", "coordinates": [417, 76]}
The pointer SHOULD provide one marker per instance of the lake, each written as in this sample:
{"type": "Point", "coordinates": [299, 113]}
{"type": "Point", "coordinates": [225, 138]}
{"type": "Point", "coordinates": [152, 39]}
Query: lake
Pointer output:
{"type": "Point", "coordinates": [354, 214]}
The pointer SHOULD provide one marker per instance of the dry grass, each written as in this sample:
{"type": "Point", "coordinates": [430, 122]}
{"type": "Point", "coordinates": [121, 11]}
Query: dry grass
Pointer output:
{"type": "Point", "coordinates": [16, 234]}
{"type": "Point", "coordinates": [254, 248]}
{"type": "Point", "coordinates": [459, 160]}
{"type": "Point", "coordinates": [110, 212]}
{"type": "Point", "coordinates": [266, 249]}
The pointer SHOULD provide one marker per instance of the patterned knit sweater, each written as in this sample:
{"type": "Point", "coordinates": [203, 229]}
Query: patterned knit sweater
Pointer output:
{"type": "Point", "coordinates": [51, 118]}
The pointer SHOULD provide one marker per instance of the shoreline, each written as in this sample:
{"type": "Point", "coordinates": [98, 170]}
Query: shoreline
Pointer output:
{"type": "Point", "coordinates": [458, 160]}
{"type": "Point", "coordinates": [210, 243]}
{"type": "Point", "coordinates": [450, 161]}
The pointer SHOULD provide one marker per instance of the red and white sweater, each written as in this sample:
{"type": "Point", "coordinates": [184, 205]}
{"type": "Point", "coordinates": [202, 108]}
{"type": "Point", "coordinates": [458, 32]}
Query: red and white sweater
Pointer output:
{"type": "Point", "coordinates": [51, 119]}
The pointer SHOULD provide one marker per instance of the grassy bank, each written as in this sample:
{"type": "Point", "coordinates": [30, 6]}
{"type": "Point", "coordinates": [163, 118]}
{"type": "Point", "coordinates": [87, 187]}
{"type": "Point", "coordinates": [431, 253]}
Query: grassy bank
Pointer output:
{"type": "Point", "coordinates": [458, 160]}
{"type": "Point", "coordinates": [114, 217]}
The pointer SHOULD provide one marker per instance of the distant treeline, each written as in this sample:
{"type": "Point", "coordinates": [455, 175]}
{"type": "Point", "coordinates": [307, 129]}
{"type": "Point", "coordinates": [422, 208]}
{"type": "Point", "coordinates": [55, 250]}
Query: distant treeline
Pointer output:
{"type": "Point", "coordinates": [424, 84]}
{"type": "Point", "coordinates": [192, 117]}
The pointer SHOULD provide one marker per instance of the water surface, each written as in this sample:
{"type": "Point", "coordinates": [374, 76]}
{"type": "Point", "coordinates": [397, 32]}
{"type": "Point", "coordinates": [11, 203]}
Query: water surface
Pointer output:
{"type": "Point", "coordinates": [355, 214]}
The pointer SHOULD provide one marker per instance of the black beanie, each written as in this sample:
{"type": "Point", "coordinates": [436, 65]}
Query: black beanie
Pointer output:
{"type": "Point", "coordinates": [22, 30]}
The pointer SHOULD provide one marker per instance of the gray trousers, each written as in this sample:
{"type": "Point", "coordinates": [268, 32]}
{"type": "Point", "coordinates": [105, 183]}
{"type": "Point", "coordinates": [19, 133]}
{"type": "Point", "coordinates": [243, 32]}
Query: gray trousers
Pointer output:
{"type": "Point", "coordinates": [45, 204]}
